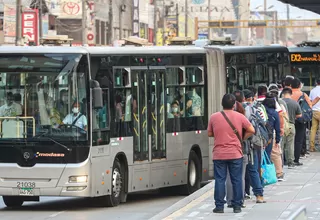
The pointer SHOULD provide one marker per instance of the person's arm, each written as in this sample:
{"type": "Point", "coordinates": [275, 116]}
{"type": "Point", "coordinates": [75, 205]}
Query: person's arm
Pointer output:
{"type": "Point", "coordinates": [249, 129]}
{"type": "Point", "coordinates": [298, 111]}
{"type": "Point", "coordinates": [210, 128]}
{"type": "Point", "coordinates": [308, 100]}
{"type": "Point", "coordinates": [277, 128]}
{"type": "Point", "coordinates": [281, 115]}
{"type": "Point", "coordinates": [85, 122]}
{"type": "Point", "coordinates": [249, 132]}
{"type": "Point", "coordinates": [315, 101]}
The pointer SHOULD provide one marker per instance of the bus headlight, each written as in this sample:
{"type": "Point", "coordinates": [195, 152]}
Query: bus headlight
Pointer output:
{"type": "Point", "coordinates": [78, 179]}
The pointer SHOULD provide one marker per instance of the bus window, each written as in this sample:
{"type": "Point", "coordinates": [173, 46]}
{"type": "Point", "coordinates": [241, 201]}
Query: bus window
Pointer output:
{"type": "Point", "coordinates": [259, 75]}
{"type": "Point", "coordinates": [100, 122]}
{"type": "Point", "coordinates": [123, 103]}
{"type": "Point", "coordinates": [175, 97]}
{"type": "Point", "coordinates": [231, 79]}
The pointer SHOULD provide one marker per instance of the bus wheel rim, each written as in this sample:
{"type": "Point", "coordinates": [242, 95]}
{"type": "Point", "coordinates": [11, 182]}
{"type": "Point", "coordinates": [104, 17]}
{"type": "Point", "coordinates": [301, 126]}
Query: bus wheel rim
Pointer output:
{"type": "Point", "coordinates": [192, 173]}
{"type": "Point", "coordinates": [116, 183]}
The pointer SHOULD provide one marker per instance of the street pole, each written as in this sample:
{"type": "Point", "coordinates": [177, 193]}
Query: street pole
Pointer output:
{"type": "Point", "coordinates": [155, 22]}
{"type": "Point", "coordinates": [120, 22]}
{"type": "Point", "coordinates": [288, 21]}
{"type": "Point", "coordinates": [177, 18]}
{"type": "Point", "coordinates": [18, 23]}
{"type": "Point", "coordinates": [265, 16]}
{"type": "Point", "coordinates": [186, 18]}
{"type": "Point", "coordinates": [84, 23]}
{"type": "Point", "coordinates": [110, 20]}
{"type": "Point", "coordinates": [40, 20]}
{"type": "Point", "coordinates": [209, 17]}
{"type": "Point", "coordinates": [164, 23]}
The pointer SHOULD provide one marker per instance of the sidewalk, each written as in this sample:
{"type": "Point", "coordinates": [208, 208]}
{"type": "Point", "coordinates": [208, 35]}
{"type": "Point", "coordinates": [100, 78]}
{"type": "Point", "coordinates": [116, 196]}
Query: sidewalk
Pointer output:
{"type": "Point", "coordinates": [300, 187]}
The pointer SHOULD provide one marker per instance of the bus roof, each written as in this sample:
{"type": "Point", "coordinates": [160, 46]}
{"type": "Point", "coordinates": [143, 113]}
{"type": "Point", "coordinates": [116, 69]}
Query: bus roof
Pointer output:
{"type": "Point", "coordinates": [146, 50]}
{"type": "Point", "coordinates": [41, 49]}
{"type": "Point", "coordinates": [304, 49]}
{"type": "Point", "coordinates": [248, 49]}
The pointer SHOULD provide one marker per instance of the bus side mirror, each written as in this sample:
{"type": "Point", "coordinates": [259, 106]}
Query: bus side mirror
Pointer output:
{"type": "Point", "coordinates": [97, 100]}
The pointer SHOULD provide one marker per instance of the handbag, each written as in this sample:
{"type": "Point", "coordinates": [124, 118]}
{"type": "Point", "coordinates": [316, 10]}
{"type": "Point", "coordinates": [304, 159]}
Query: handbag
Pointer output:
{"type": "Point", "coordinates": [268, 171]}
{"type": "Point", "coordinates": [245, 149]}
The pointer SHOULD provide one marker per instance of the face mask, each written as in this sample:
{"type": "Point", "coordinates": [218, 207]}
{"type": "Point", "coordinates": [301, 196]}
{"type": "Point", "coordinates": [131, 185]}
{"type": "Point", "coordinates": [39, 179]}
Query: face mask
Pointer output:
{"type": "Point", "coordinates": [75, 110]}
{"type": "Point", "coordinates": [175, 110]}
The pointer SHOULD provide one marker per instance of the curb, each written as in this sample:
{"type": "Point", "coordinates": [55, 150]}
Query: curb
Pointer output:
{"type": "Point", "coordinates": [183, 202]}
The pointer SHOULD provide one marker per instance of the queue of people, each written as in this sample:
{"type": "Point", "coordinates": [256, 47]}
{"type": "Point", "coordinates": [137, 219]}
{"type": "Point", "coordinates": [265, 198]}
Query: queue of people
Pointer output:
{"type": "Point", "coordinates": [286, 112]}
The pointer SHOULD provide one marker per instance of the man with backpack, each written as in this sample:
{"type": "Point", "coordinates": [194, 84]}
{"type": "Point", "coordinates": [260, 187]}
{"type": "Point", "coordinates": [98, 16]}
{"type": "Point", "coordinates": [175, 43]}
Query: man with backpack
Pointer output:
{"type": "Point", "coordinates": [301, 123]}
{"type": "Point", "coordinates": [252, 167]}
{"type": "Point", "coordinates": [262, 92]}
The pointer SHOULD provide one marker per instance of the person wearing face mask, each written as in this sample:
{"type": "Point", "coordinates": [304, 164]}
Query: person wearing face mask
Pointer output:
{"type": "Point", "coordinates": [194, 103]}
{"type": "Point", "coordinates": [175, 109]}
{"type": "Point", "coordinates": [76, 118]}
{"type": "Point", "coordinates": [11, 108]}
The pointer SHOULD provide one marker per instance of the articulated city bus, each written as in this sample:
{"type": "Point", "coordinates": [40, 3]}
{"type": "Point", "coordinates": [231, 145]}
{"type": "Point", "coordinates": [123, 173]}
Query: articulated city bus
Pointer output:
{"type": "Point", "coordinates": [305, 63]}
{"type": "Point", "coordinates": [105, 122]}
{"type": "Point", "coordinates": [101, 122]}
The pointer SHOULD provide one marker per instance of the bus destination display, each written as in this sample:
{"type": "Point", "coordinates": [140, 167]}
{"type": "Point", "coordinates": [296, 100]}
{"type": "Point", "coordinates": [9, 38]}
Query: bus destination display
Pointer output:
{"type": "Point", "coordinates": [304, 57]}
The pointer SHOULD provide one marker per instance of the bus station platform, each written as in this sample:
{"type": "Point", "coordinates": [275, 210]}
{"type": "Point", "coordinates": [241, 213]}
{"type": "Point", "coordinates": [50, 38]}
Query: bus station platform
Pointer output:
{"type": "Point", "coordinates": [299, 190]}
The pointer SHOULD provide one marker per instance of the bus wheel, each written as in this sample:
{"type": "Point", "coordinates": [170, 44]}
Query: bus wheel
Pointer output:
{"type": "Point", "coordinates": [117, 185]}
{"type": "Point", "coordinates": [194, 169]}
{"type": "Point", "coordinates": [12, 201]}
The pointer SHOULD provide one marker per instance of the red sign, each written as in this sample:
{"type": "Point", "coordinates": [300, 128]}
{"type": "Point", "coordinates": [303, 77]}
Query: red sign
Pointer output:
{"type": "Point", "coordinates": [30, 25]}
{"type": "Point", "coordinates": [71, 8]}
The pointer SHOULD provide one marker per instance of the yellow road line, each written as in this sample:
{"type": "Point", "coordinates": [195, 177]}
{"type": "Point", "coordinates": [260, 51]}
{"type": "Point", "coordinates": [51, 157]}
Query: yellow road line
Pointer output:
{"type": "Point", "coordinates": [190, 205]}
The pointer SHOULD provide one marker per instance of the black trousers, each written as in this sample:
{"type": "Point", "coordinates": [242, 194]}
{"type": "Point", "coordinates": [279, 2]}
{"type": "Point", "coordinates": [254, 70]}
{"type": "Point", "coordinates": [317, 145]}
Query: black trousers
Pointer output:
{"type": "Point", "coordinates": [299, 140]}
{"type": "Point", "coordinates": [247, 182]}
{"type": "Point", "coordinates": [304, 144]}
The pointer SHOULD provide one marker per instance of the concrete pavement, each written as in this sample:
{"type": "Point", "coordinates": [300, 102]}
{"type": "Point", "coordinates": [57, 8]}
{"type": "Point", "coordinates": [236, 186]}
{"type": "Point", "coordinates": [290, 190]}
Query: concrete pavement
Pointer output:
{"type": "Point", "coordinates": [300, 188]}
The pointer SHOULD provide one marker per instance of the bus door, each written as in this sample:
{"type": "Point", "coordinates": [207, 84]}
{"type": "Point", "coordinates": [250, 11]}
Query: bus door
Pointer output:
{"type": "Point", "coordinates": [157, 112]}
{"type": "Point", "coordinates": [140, 111]}
{"type": "Point", "coordinates": [149, 115]}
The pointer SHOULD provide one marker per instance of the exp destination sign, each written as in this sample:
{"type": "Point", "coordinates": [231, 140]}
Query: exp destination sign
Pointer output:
{"type": "Point", "coordinates": [304, 57]}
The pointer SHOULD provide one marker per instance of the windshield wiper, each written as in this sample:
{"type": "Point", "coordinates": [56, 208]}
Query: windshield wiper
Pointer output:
{"type": "Point", "coordinates": [58, 143]}
{"type": "Point", "coordinates": [54, 141]}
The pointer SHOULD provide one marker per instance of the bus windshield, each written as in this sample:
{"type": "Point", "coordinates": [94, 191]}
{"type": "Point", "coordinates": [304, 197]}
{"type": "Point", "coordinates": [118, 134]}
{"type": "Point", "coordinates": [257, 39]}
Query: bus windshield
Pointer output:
{"type": "Point", "coordinates": [43, 96]}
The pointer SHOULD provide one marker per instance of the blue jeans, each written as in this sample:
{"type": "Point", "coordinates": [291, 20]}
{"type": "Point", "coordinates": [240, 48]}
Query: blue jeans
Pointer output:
{"type": "Point", "coordinates": [254, 175]}
{"type": "Point", "coordinates": [220, 168]}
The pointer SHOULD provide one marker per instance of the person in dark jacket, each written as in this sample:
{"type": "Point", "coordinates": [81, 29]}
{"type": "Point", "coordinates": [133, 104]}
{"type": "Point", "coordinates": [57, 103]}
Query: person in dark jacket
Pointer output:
{"type": "Point", "coordinates": [273, 120]}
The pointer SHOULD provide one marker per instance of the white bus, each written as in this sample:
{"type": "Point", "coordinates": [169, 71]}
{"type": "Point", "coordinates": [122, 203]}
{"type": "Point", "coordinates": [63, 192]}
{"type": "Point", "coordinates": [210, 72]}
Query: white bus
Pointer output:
{"type": "Point", "coordinates": [101, 122]}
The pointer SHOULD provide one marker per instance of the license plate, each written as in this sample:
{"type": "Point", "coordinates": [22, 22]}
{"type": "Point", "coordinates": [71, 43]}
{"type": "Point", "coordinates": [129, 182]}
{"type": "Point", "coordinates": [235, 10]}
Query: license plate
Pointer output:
{"type": "Point", "coordinates": [26, 192]}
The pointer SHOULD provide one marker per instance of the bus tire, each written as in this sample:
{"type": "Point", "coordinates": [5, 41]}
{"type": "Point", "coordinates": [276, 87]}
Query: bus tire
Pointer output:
{"type": "Point", "coordinates": [194, 174]}
{"type": "Point", "coordinates": [12, 201]}
{"type": "Point", "coordinates": [117, 184]}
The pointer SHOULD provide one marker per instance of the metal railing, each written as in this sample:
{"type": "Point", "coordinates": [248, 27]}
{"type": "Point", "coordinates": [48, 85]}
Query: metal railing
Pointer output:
{"type": "Point", "coordinates": [300, 214]}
